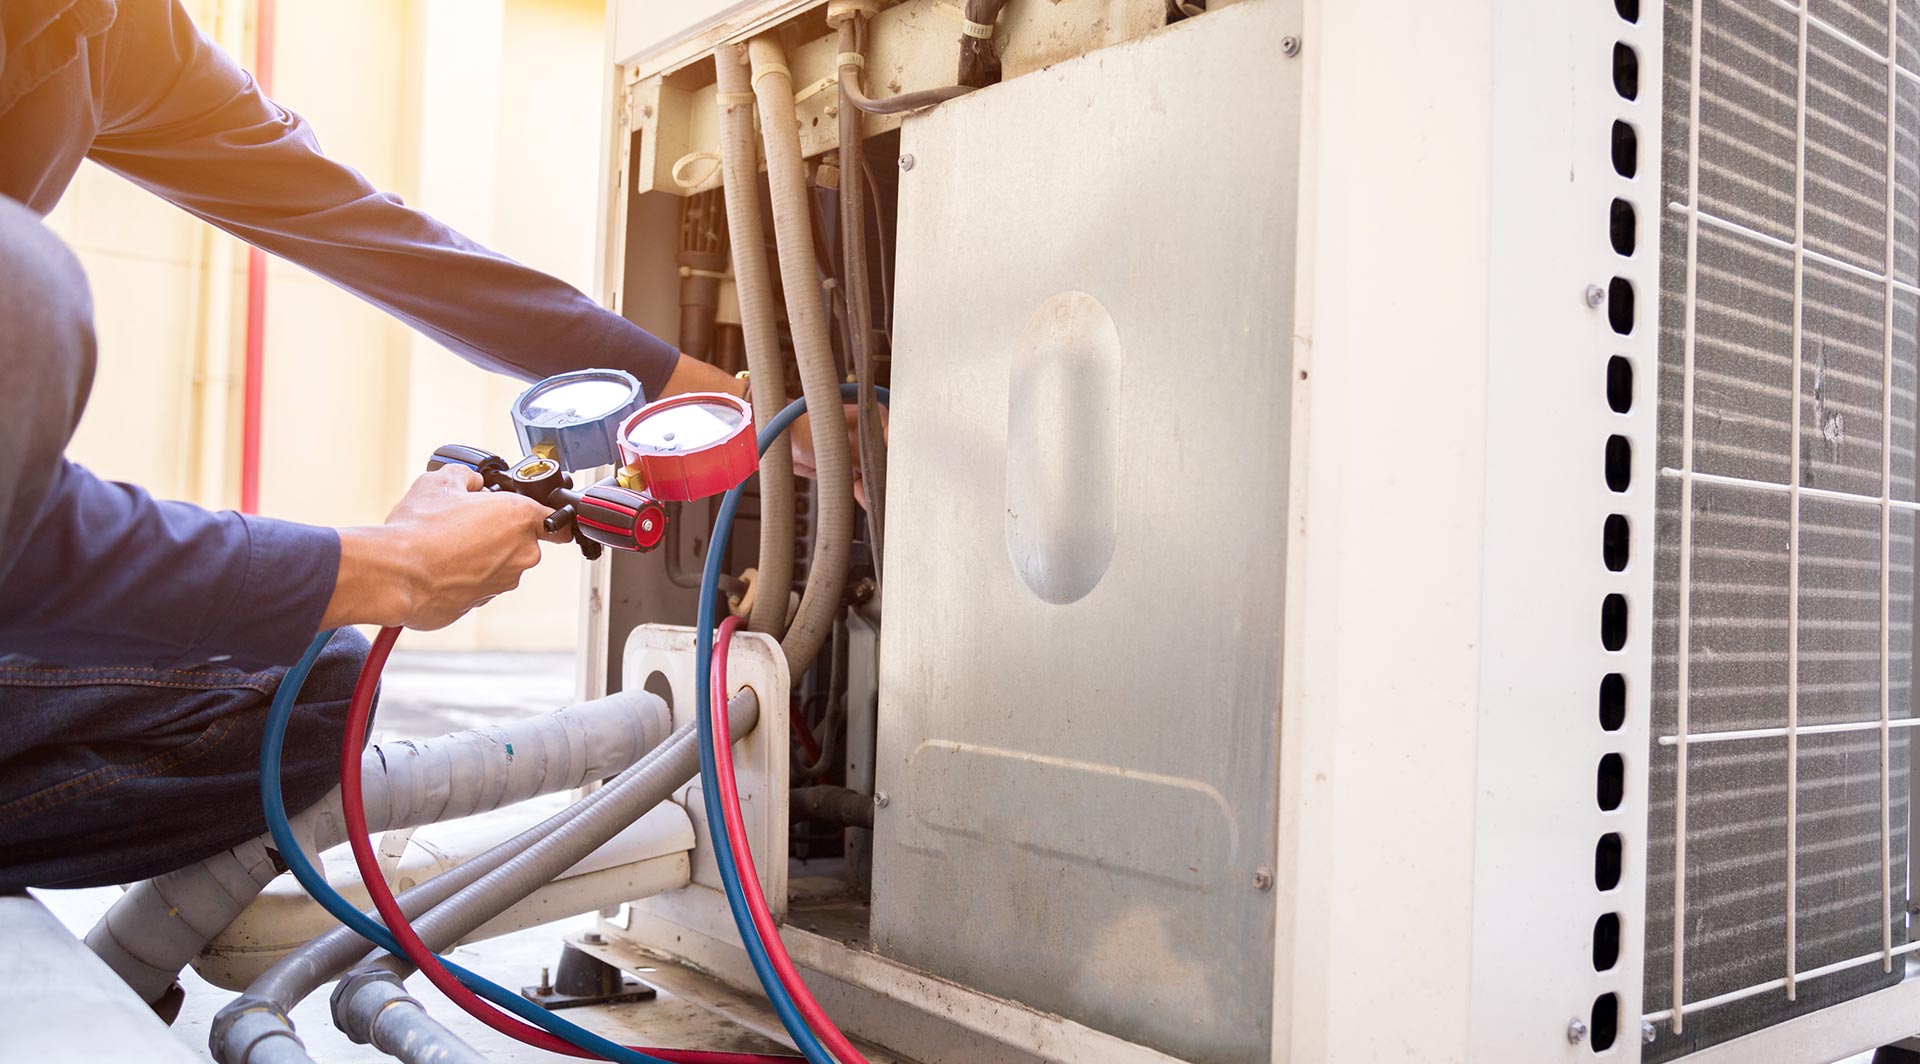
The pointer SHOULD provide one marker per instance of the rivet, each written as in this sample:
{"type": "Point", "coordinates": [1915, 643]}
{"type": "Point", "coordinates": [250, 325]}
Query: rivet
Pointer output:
{"type": "Point", "coordinates": [906, 162]}
{"type": "Point", "coordinates": [1289, 46]}
{"type": "Point", "coordinates": [1263, 878]}
{"type": "Point", "coordinates": [1576, 1032]}
{"type": "Point", "coordinates": [880, 799]}
{"type": "Point", "coordinates": [1596, 295]}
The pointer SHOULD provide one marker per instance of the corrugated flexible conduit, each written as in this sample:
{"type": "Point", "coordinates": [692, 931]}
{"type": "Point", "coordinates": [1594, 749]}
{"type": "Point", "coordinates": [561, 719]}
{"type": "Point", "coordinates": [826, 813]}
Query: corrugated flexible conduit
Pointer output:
{"type": "Point", "coordinates": [740, 177]}
{"type": "Point", "coordinates": [786, 179]}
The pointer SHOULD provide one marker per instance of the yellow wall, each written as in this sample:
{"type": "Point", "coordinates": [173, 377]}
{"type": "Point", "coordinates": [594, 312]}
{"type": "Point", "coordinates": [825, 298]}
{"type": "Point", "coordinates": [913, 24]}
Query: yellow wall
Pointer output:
{"type": "Point", "coordinates": [484, 112]}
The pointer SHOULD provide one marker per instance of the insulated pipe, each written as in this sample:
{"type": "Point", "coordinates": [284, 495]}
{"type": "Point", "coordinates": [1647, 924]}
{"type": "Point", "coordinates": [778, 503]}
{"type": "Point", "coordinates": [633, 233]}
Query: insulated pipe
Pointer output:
{"type": "Point", "coordinates": [853, 247]}
{"type": "Point", "coordinates": [740, 177]}
{"type": "Point", "coordinates": [650, 783]}
{"type": "Point", "coordinates": [793, 232]}
{"type": "Point", "coordinates": [256, 1021]}
{"type": "Point", "coordinates": [157, 926]}
{"type": "Point", "coordinates": [299, 973]}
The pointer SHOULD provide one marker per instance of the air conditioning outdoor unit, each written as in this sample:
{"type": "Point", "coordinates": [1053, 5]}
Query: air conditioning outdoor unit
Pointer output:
{"type": "Point", "coordinates": [1401, 531]}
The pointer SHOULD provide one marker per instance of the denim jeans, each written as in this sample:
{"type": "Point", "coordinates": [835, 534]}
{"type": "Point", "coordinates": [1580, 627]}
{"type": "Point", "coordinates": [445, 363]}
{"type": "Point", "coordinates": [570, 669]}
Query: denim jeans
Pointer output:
{"type": "Point", "coordinates": [115, 774]}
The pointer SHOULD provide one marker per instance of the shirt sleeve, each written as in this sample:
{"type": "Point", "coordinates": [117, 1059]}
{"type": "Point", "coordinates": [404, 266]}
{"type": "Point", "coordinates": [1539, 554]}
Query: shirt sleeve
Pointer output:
{"type": "Point", "coordinates": [109, 575]}
{"type": "Point", "coordinates": [182, 119]}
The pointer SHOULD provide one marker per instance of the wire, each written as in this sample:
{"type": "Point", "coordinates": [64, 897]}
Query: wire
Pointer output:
{"type": "Point", "coordinates": [749, 876]}
{"type": "Point", "coordinates": [274, 805]}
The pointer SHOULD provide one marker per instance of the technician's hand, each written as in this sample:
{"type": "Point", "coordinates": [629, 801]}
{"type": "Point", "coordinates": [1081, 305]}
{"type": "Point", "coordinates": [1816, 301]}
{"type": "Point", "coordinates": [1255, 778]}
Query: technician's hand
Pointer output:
{"type": "Point", "coordinates": [446, 548]}
{"type": "Point", "coordinates": [802, 436]}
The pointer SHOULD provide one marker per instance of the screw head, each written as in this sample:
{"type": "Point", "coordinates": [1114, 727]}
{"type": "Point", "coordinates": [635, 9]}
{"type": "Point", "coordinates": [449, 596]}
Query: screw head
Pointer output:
{"type": "Point", "coordinates": [880, 799]}
{"type": "Point", "coordinates": [1289, 46]}
{"type": "Point", "coordinates": [1647, 1032]}
{"type": "Point", "coordinates": [1263, 878]}
{"type": "Point", "coordinates": [646, 525]}
{"type": "Point", "coordinates": [906, 162]}
{"type": "Point", "coordinates": [1576, 1032]}
{"type": "Point", "coordinates": [1596, 295]}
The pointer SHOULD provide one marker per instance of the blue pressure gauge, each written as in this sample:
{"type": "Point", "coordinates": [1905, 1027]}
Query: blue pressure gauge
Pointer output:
{"type": "Point", "coordinates": [574, 418]}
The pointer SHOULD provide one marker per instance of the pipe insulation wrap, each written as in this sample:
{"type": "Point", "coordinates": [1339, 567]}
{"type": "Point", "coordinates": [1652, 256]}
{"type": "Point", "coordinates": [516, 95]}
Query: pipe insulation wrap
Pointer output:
{"type": "Point", "coordinates": [806, 315]}
{"type": "Point", "coordinates": [158, 926]}
{"type": "Point", "coordinates": [639, 789]}
{"type": "Point", "coordinates": [648, 784]}
{"type": "Point", "coordinates": [740, 177]}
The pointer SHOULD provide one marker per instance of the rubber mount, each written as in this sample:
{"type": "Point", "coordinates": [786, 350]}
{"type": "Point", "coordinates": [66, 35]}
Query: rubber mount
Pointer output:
{"type": "Point", "coordinates": [583, 979]}
{"type": "Point", "coordinates": [1895, 1055]}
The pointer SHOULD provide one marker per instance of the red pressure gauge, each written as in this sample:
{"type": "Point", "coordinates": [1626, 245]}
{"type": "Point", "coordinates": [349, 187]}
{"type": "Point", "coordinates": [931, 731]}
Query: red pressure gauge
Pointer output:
{"type": "Point", "coordinates": [690, 446]}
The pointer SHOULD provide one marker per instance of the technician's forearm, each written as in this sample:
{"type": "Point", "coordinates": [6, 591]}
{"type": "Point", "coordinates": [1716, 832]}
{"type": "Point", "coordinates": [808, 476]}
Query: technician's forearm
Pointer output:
{"type": "Point", "coordinates": [692, 375]}
{"type": "Point", "coordinates": [376, 582]}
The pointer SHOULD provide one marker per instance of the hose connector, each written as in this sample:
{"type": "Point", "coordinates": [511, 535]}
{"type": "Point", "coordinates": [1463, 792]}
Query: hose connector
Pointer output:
{"type": "Point", "coordinates": [243, 1024]}
{"type": "Point", "coordinates": [360, 998]}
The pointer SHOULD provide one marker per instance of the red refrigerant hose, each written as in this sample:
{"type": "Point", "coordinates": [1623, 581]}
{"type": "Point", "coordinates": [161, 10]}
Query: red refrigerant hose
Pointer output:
{"type": "Point", "coordinates": [816, 1017]}
{"type": "Point", "coordinates": [359, 716]}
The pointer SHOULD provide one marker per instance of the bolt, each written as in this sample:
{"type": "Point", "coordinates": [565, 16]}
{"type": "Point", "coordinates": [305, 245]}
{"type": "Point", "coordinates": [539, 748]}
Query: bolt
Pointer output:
{"type": "Point", "coordinates": [1289, 46]}
{"type": "Point", "coordinates": [880, 799]}
{"type": "Point", "coordinates": [1596, 295]}
{"type": "Point", "coordinates": [546, 985]}
{"type": "Point", "coordinates": [592, 938]}
{"type": "Point", "coordinates": [1263, 878]}
{"type": "Point", "coordinates": [906, 162]}
{"type": "Point", "coordinates": [646, 525]}
{"type": "Point", "coordinates": [1576, 1032]}
{"type": "Point", "coordinates": [1646, 1032]}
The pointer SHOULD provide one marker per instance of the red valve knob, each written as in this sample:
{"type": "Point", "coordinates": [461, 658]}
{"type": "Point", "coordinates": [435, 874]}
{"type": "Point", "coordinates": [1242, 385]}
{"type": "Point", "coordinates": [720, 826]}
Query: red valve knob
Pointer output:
{"type": "Point", "coordinates": [690, 446]}
{"type": "Point", "coordinates": [620, 518]}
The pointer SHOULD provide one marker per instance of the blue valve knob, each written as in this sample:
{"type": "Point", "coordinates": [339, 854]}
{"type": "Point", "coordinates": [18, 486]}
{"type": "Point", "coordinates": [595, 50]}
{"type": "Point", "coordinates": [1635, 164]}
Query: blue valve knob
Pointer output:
{"type": "Point", "coordinates": [574, 418]}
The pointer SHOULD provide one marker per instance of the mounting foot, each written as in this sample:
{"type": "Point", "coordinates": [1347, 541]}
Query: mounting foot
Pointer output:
{"type": "Point", "coordinates": [583, 979]}
{"type": "Point", "coordinates": [1895, 1055]}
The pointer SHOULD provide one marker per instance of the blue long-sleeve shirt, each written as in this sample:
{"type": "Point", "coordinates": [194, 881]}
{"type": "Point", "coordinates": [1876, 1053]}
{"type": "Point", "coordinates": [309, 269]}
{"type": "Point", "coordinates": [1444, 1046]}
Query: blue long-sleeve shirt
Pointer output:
{"type": "Point", "coordinates": [97, 572]}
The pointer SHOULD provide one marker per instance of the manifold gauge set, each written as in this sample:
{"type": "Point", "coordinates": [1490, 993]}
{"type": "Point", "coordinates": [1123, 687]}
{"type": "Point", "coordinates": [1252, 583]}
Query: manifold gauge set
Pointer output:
{"type": "Point", "coordinates": [677, 449]}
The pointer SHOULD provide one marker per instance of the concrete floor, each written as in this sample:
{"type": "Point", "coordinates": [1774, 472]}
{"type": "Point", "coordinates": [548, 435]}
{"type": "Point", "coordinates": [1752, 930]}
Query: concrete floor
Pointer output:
{"type": "Point", "coordinates": [429, 694]}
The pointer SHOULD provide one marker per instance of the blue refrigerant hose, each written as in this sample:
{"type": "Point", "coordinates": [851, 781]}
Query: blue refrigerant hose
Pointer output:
{"type": "Point", "coordinates": [342, 909]}
{"type": "Point", "coordinates": [309, 877]}
{"type": "Point", "coordinates": [777, 995]}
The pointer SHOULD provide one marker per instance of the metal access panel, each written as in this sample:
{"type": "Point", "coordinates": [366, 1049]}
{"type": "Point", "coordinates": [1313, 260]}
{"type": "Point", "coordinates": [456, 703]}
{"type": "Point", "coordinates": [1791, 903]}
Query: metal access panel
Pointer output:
{"type": "Point", "coordinates": [1080, 665]}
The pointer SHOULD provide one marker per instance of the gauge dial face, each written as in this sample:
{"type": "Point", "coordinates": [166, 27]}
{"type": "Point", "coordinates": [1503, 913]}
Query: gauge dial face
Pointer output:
{"type": "Point", "coordinates": [573, 402]}
{"type": "Point", "coordinates": [685, 427]}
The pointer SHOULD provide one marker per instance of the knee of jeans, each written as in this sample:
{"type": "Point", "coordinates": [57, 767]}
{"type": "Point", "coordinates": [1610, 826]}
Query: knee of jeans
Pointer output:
{"type": "Point", "coordinates": [337, 669]}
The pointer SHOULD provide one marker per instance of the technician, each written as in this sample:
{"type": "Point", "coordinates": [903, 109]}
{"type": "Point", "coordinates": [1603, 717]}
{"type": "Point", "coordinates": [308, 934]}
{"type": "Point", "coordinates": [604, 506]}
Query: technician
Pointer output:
{"type": "Point", "coordinates": [141, 640]}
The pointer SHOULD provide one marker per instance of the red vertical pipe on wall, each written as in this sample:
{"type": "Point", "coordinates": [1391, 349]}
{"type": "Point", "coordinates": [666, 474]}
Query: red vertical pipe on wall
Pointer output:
{"type": "Point", "coordinates": [250, 415]}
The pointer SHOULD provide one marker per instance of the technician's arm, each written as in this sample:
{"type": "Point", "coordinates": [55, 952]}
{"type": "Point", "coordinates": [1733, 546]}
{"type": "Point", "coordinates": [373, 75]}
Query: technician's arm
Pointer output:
{"type": "Point", "coordinates": [183, 120]}
{"type": "Point", "coordinates": [100, 573]}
